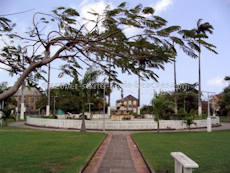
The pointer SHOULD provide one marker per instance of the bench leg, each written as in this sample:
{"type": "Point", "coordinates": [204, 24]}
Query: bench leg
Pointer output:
{"type": "Point", "coordinates": [187, 170]}
{"type": "Point", "coordinates": [178, 167]}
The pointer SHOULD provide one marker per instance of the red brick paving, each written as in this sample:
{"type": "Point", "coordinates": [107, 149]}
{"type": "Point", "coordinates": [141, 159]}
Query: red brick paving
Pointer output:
{"type": "Point", "coordinates": [139, 163]}
{"type": "Point", "coordinates": [97, 158]}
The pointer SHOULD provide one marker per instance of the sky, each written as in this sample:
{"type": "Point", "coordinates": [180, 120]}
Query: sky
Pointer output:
{"type": "Point", "coordinates": [185, 13]}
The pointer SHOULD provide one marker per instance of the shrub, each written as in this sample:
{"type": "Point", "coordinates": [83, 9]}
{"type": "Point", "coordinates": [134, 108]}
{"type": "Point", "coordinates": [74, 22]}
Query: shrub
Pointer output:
{"type": "Point", "coordinates": [181, 111]}
{"type": "Point", "coordinates": [192, 112]}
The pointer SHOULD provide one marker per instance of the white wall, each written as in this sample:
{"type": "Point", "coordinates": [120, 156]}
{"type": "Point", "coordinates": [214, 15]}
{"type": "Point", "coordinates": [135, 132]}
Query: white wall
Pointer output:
{"type": "Point", "coordinates": [129, 125]}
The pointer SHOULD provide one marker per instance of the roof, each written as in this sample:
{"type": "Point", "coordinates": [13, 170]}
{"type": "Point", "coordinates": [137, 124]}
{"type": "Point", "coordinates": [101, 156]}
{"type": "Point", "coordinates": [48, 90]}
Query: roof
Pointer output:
{"type": "Point", "coordinates": [28, 92]}
{"type": "Point", "coordinates": [217, 96]}
{"type": "Point", "coordinates": [130, 97]}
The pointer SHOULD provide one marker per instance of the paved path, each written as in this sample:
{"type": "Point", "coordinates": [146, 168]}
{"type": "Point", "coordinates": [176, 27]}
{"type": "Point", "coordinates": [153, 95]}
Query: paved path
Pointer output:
{"type": "Point", "coordinates": [121, 156]}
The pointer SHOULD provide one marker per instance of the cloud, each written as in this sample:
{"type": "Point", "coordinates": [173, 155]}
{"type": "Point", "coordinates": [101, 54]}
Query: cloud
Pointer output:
{"type": "Point", "coordinates": [216, 81]}
{"type": "Point", "coordinates": [97, 7]}
{"type": "Point", "coordinates": [162, 5]}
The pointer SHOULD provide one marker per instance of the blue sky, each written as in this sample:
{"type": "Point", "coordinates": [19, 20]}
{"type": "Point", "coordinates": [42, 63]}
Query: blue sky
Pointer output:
{"type": "Point", "coordinates": [184, 13]}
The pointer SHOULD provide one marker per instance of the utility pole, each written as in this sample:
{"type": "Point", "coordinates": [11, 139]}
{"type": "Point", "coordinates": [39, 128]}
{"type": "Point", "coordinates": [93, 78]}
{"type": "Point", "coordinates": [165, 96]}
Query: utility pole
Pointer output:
{"type": "Point", "coordinates": [209, 123]}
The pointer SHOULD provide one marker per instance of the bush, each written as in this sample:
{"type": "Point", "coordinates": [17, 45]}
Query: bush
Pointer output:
{"type": "Point", "coordinates": [126, 118]}
{"type": "Point", "coordinates": [52, 117]}
{"type": "Point", "coordinates": [181, 111]}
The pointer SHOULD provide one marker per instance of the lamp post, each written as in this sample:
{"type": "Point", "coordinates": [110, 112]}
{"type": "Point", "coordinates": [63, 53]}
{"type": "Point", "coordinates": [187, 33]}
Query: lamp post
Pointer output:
{"type": "Point", "coordinates": [209, 123]}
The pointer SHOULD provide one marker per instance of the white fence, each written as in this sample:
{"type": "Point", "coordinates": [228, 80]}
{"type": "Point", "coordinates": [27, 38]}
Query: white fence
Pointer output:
{"type": "Point", "coordinates": [116, 125]}
{"type": "Point", "coordinates": [95, 116]}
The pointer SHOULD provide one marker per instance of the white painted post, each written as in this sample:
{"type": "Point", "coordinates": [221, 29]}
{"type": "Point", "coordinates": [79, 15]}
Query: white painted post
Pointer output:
{"type": "Point", "coordinates": [22, 111]}
{"type": "Point", "coordinates": [209, 125]}
{"type": "Point", "coordinates": [187, 170]}
{"type": "Point", "coordinates": [47, 110]}
{"type": "Point", "coordinates": [178, 167]}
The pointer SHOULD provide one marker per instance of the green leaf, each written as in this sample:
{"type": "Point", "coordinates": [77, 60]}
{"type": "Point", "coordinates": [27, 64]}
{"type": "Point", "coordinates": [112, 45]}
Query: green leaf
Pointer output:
{"type": "Point", "coordinates": [148, 10]}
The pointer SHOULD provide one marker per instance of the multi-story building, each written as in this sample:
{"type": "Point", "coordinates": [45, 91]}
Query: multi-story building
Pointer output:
{"type": "Point", "coordinates": [131, 103]}
{"type": "Point", "coordinates": [31, 96]}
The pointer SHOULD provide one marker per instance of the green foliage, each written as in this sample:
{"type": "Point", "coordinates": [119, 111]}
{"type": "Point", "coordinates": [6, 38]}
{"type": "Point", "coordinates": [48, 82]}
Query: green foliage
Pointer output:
{"type": "Point", "coordinates": [78, 43]}
{"type": "Point", "coordinates": [181, 111]}
{"type": "Point", "coordinates": [126, 118]}
{"type": "Point", "coordinates": [7, 114]}
{"type": "Point", "coordinates": [51, 117]}
{"type": "Point", "coordinates": [192, 112]}
{"type": "Point", "coordinates": [189, 121]}
{"type": "Point", "coordinates": [160, 105]}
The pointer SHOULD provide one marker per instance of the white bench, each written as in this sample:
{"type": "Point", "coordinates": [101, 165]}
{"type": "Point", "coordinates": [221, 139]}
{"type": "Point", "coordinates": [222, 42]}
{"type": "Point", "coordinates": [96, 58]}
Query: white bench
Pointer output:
{"type": "Point", "coordinates": [182, 160]}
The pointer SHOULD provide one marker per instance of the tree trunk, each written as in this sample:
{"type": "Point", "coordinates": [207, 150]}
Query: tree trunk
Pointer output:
{"type": "Point", "coordinates": [158, 126]}
{"type": "Point", "coordinates": [199, 92]}
{"type": "Point", "coordinates": [228, 117]}
{"type": "Point", "coordinates": [189, 128]}
{"type": "Point", "coordinates": [83, 128]}
{"type": "Point", "coordinates": [27, 71]}
{"type": "Point", "coordinates": [175, 95]}
{"type": "Point", "coordinates": [6, 122]}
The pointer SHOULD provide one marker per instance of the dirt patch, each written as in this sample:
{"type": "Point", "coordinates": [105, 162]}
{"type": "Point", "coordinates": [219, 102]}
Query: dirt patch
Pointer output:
{"type": "Point", "coordinates": [55, 166]}
{"type": "Point", "coordinates": [75, 158]}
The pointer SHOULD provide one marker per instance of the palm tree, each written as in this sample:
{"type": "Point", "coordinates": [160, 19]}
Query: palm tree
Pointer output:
{"type": "Point", "coordinates": [83, 90]}
{"type": "Point", "coordinates": [7, 114]}
{"type": "Point", "coordinates": [160, 105]}
{"type": "Point", "coordinates": [196, 36]}
{"type": "Point", "coordinates": [186, 50]}
{"type": "Point", "coordinates": [200, 32]}
{"type": "Point", "coordinates": [189, 121]}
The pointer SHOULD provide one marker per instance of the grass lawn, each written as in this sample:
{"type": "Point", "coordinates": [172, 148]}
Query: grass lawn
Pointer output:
{"type": "Point", "coordinates": [45, 151]}
{"type": "Point", "coordinates": [210, 150]}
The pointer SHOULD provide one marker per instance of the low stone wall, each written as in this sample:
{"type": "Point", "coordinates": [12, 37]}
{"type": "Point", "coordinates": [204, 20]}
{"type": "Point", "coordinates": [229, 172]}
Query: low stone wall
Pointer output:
{"type": "Point", "coordinates": [116, 125]}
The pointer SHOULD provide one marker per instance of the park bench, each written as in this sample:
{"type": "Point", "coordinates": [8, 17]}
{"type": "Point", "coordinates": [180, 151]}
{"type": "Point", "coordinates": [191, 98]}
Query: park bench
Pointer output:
{"type": "Point", "coordinates": [182, 160]}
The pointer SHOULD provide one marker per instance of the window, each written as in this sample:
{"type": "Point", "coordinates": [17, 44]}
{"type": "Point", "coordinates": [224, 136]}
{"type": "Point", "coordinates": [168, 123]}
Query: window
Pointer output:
{"type": "Point", "coordinates": [32, 100]}
{"type": "Point", "coordinates": [32, 107]}
{"type": "Point", "coordinates": [125, 102]}
{"type": "Point", "coordinates": [134, 102]}
{"type": "Point", "coordinates": [37, 99]}
{"type": "Point", "coordinates": [25, 100]}
{"type": "Point", "coordinates": [130, 102]}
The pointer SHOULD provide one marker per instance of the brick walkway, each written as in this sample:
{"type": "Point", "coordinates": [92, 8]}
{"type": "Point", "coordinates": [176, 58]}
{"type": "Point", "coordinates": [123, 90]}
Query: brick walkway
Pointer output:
{"type": "Point", "coordinates": [121, 156]}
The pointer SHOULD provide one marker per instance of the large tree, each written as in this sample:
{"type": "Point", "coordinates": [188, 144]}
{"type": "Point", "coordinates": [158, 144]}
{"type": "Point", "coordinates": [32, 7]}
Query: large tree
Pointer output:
{"type": "Point", "coordinates": [73, 42]}
{"type": "Point", "coordinates": [224, 101]}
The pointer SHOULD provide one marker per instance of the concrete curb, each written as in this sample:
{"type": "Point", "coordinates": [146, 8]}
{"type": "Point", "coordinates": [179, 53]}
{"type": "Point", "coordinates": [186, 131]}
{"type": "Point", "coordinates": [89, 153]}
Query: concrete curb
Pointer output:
{"type": "Point", "coordinates": [90, 158]}
{"type": "Point", "coordinates": [146, 162]}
